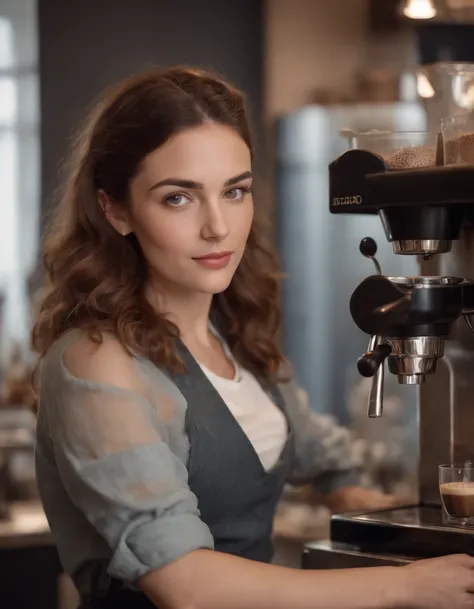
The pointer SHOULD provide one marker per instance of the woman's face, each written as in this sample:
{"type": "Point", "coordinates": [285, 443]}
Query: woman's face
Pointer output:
{"type": "Point", "coordinates": [192, 209]}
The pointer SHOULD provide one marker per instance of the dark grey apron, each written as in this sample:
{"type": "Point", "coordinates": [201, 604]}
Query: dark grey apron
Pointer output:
{"type": "Point", "coordinates": [236, 496]}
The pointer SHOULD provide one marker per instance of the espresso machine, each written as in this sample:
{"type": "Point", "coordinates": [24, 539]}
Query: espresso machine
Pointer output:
{"type": "Point", "coordinates": [420, 329]}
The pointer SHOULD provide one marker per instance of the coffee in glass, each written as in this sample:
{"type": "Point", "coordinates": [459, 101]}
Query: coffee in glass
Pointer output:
{"type": "Point", "coordinates": [456, 486]}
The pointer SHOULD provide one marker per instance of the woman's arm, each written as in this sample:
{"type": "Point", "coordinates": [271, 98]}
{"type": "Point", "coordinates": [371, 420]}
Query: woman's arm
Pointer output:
{"type": "Point", "coordinates": [325, 457]}
{"type": "Point", "coordinates": [324, 450]}
{"type": "Point", "coordinates": [209, 580]}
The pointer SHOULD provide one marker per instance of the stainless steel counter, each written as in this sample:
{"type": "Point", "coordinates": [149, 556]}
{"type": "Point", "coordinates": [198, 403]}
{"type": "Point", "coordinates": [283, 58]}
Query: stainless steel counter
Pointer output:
{"type": "Point", "coordinates": [327, 554]}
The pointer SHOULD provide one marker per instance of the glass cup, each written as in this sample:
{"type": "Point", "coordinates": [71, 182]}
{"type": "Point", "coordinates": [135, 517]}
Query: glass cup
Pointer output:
{"type": "Point", "coordinates": [456, 487]}
{"type": "Point", "coordinates": [399, 149]}
{"type": "Point", "coordinates": [458, 139]}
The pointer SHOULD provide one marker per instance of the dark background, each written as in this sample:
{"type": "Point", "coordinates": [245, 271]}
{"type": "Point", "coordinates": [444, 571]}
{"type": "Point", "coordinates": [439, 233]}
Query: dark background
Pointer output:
{"type": "Point", "coordinates": [437, 41]}
{"type": "Point", "coordinates": [85, 45]}
{"type": "Point", "coordinates": [445, 42]}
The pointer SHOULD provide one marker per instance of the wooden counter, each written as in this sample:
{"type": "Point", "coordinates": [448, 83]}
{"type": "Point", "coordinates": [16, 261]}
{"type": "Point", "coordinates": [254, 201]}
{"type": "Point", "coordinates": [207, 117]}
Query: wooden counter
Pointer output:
{"type": "Point", "coordinates": [27, 527]}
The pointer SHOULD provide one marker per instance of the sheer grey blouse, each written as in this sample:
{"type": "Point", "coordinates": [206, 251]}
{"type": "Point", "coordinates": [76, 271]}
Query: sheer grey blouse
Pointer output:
{"type": "Point", "coordinates": [112, 453]}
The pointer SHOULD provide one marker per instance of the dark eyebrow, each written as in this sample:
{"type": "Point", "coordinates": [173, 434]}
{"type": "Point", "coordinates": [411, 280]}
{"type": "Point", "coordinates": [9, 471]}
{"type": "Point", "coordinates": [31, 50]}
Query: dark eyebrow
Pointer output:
{"type": "Point", "coordinates": [197, 185]}
{"type": "Point", "coordinates": [243, 176]}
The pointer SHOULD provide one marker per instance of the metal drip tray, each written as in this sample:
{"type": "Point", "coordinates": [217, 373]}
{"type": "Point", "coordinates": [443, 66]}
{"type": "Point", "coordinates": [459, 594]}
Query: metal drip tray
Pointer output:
{"type": "Point", "coordinates": [416, 531]}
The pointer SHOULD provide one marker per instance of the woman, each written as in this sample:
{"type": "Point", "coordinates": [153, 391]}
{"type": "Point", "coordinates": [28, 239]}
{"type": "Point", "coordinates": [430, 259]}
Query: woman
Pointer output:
{"type": "Point", "coordinates": [167, 425]}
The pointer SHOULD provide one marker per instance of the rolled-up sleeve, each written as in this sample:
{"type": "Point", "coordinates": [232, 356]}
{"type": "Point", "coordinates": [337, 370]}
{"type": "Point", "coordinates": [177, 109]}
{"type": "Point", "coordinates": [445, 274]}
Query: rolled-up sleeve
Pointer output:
{"type": "Point", "coordinates": [324, 450]}
{"type": "Point", "coordinates": [115, 461]}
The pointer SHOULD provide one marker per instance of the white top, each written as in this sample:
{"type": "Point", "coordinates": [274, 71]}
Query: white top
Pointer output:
{"type": "Point", "coordinates": [260, 418]}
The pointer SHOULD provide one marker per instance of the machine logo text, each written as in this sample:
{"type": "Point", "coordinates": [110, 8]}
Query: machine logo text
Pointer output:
{"type": "Point", "coordinates": [355, 200]}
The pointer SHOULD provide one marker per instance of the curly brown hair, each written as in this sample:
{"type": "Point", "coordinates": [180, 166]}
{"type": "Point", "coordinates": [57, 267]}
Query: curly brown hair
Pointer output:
{"type": "Point", "coordinates": [96, 278]}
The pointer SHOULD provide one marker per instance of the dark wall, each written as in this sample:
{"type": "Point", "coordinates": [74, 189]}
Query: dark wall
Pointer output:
{"type": "Point", "coordinates": [384, 16]}
{"type": "Point", "coordinates": [445, 42]}
{"type": "Point", "coordinates": [87, 44]}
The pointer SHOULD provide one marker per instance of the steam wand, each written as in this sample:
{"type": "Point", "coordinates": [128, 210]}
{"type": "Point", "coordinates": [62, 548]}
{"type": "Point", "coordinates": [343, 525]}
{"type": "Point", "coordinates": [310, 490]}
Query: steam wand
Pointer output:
{"type": "Point", "coordinates": [377, 353]}
{"type": "Point", "coordinates": [371, 364]}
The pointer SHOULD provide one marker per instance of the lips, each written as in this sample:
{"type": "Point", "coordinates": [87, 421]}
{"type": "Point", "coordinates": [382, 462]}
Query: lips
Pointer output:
{"type": "Point", "coordinates": [216, 260]}
{"type": "Point", "coordinates": [214, 256]}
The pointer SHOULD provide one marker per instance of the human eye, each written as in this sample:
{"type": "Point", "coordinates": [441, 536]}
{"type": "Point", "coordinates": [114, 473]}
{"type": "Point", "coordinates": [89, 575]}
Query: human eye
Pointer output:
{"type": "Point", "coordinates": [238, 193]}
{"type": "Point", "coordinates": [176, 199]}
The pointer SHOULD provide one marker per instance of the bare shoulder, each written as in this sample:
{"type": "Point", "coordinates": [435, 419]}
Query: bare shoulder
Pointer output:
{"type": "Point", "coordinates": [106, 362]}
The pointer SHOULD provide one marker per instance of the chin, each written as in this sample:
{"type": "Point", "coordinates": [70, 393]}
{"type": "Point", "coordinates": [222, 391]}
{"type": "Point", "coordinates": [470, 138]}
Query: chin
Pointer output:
{"type": "Point", "coordinates": [214, 285]}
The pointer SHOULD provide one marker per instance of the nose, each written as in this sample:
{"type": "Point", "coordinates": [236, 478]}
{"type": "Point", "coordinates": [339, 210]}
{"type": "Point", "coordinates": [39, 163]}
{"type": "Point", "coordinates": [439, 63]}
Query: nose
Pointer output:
{"type": "Point", "coordinates": [215, 226]}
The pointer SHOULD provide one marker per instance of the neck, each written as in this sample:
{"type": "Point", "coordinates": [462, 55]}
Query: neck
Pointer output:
{"type": "Point", "coordinates": [189, 311]}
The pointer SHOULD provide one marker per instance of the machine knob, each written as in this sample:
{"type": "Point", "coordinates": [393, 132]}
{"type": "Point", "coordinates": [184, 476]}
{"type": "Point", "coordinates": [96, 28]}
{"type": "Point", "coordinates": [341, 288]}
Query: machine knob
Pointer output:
{"type": "Point", "coordinates": [369, 363]}
{"type": "Point", "coordinates": [368, 247]}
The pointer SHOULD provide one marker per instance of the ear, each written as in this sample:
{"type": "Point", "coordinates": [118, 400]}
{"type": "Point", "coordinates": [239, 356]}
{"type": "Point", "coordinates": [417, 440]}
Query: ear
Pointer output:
{"type": "Point", "coordinates": [115, 214]}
